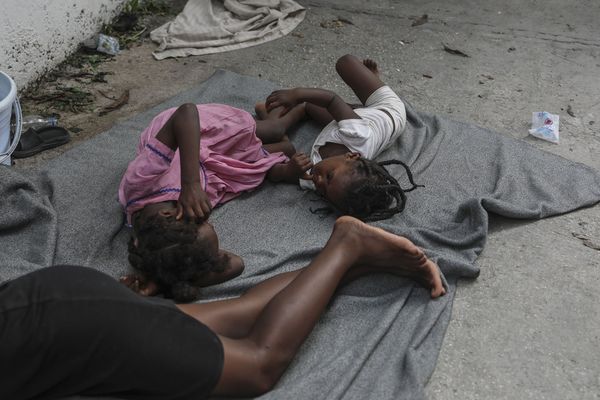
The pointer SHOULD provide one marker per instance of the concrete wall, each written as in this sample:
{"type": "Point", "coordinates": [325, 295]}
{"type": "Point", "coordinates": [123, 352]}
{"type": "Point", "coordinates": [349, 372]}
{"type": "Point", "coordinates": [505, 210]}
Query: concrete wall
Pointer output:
{"type": "Point", "coordinates": [36, 35]}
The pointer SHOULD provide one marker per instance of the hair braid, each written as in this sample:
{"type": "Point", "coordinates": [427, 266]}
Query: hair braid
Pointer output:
{"type": "Point", "coordinates": [168, 252]}
{"type": "Point", "coordinates": [370, 196]}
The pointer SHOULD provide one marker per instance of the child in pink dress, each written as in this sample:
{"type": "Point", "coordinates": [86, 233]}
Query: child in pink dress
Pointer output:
{"type": "Point", "coordinates": [189, 160]}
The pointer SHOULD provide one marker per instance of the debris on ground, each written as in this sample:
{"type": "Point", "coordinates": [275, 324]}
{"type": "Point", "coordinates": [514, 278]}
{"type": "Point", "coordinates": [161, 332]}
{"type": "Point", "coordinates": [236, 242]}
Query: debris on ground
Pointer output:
{"type": "Point", "coordinates": [65, 98]}
{"type": "Point", "coordinates": [108, 45]}
{"type": "Point", "coordinates": [116, 104]}
{"type": "Point", "coordinates": [125, 22]}
{"type": "Point", "coordinates": [489, 77]}
{"type": "Point", "coordinates": [570, 111]}
{"type": "Point", "coordinates": [592, 244]}
{"type": "Point", "coordinates": [427, 76]}
{"type": "Point", "coordinates": [339, 22]}
{"type": "Point", "coordinates": [72, 87]}
{"type": "Point", "coordinates": [511, 49]}
{"type": "Point", "coordinates": [345, 21]}
{"type": "Point", "coordinates": [420, 20]}
{"type": "Point", "coordinates": [545, 126]}
{"type": "Point", "coordinates": [454, 51]}
{"type": "Point", "coordinates": [137, 19]}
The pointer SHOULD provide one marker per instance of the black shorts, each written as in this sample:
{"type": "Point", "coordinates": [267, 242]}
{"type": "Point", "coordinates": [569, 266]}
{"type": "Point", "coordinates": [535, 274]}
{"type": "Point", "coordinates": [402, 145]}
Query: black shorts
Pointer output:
{"type": "Point", "coordinates": [68, 330]}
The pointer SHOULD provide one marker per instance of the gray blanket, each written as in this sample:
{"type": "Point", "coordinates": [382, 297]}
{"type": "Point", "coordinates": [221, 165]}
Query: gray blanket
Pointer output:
{"type": "Point", "coordinates": [381, 335]}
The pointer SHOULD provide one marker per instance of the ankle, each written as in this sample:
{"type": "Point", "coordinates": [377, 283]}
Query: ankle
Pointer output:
{"type": "Point", "coordinates": [346, 233]}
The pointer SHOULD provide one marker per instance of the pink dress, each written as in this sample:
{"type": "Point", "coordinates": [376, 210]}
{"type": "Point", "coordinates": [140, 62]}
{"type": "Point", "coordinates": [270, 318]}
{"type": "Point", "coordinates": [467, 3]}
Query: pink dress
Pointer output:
{"type": "Point", "coordinates": [232, 160]}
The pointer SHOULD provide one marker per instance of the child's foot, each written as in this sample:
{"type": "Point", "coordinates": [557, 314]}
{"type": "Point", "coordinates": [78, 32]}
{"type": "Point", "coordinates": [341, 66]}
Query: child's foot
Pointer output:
{"type": "Point", "coordinates": [372, 65]}
{"type": "Point", "coordinates": [385, 252]}
{"type": "Point", "coordinates": [297, 112]}
{"type": "Point", "coordinates": [261, 111]}
{"type": "Point", "coordinates": [139, 285]}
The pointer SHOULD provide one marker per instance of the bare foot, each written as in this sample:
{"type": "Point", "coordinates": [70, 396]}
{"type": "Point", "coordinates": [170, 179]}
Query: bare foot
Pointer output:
{"type": "Point", "coordinates": [372, 65]}
{"type": "Point", "coordinates": [296, 113]}
{"type": "Point", "coordinates": [385, 252]}
{"type": "Point", "coordinates": [139, 285]}
{"type": "Point", "coordinates": [261, 112]}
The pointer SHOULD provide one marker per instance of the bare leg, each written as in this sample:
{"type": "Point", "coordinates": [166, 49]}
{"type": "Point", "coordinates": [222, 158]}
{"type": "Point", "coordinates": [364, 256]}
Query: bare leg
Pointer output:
{"type": "Point", "coordinates": [355, 76]}
{"type": "Point", "coordinates": [272, 128]}
{"type": "Point", "coordinates": [361, 76]}
{"type": "Point", "coordinates": [235, 317]}
{"type": "Point", "coordinates": [254, 363]}
{"type": "Point", "coordinates": [318, 114]}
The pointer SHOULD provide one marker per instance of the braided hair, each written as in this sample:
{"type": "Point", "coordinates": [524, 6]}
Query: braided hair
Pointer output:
{"type": "Point", "coordinates": [375, 194]}
{"type": "Point", "coordinates": [168, 252]}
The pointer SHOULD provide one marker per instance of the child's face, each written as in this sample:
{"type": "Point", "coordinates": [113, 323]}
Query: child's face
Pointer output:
{"type": "Point", "coordinates": [333, 175]}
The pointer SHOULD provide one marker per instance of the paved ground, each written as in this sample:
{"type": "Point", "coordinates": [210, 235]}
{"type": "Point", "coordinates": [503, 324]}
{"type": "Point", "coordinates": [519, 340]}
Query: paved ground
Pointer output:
{"type": "Point", "coordinates": [528, 327]}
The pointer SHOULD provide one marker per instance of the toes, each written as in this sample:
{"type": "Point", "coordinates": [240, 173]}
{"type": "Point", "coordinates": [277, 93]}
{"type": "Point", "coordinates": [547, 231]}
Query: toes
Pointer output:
{"type": "Point", "coordinates": [372, 65]}
{"type": "Point", "coordinates": [437, 290]}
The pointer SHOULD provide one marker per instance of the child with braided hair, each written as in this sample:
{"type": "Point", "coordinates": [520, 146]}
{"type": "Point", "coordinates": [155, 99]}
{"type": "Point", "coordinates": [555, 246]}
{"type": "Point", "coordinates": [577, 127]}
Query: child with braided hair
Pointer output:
{"type": "Point", "coordinates": [343, 170]}
{"type": "Point", "coordinates": [189, 160]}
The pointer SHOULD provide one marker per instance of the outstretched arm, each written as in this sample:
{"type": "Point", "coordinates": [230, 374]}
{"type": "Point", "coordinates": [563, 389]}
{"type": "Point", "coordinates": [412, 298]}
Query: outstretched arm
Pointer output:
{"type": "Point", "coordinates": [291, 171]}
{"type": "Point", "coordinates": [182, 131]}
{"type": "Point", "coordinates": [327, 99]}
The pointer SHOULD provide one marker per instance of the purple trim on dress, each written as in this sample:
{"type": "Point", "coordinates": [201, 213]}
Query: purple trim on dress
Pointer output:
{"type": "Point", "coordinates": [161, 191]}
{"type": "Point", "coordinates": [267, 154]}
{"type": "Point", "coordinates": [203, 169]}
{"type": "Point", "coordinates": [158, 152]}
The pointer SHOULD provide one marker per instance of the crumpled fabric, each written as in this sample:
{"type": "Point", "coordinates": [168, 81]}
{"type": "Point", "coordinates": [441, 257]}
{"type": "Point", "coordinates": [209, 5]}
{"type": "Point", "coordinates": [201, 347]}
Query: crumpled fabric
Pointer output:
{"type": "Point", "coordinates": [215, 26]}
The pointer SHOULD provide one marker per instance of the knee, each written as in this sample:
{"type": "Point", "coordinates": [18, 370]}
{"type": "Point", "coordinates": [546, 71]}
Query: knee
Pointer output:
{"type": "Point", "coordinates": [186, 109]}
{"type": "Point", "coordinates": [270, 366]}
{"type": "Point", "coordinates": [260, 385]}
{"type": "Point", "coordinates": [344, 61]}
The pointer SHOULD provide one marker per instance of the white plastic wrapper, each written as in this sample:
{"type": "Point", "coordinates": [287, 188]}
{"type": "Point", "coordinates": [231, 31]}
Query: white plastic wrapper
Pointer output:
{"type": "Point", "coordinates": [544, 126]}
{"type": "Point", "coordinates": [108, 45]}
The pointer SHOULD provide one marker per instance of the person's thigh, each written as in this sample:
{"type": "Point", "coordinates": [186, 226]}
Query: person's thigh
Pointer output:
{"type": "Point", "coordinates": [358, 77]}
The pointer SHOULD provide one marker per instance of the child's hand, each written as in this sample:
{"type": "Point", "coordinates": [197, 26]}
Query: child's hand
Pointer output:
{"type": "Point", "coordinates": [193, 203]}
{"type": "Point", "coordinates": [298, 165]}
{"type": "Point", "coordinates": [285, 98]}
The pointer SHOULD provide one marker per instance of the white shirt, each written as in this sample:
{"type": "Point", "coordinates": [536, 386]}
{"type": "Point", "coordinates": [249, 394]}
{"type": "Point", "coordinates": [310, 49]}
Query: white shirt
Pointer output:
{"type": "Point", "coordinates": [370, 135]}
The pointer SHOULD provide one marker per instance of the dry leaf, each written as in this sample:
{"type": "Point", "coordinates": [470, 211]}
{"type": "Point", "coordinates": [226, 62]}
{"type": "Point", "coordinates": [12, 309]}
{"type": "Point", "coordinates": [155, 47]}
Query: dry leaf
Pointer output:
{"type": "Point", "coordinates": [454, 51]}
{"type": "Point", "coordinates": [115, 105]}
{"type": "Point", "coordinates": [420, 20]}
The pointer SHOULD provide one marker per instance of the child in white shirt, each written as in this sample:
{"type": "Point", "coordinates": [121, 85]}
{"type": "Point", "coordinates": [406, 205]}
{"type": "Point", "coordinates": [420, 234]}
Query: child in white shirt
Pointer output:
{"type": "Point", "coordinates": [341, 161]}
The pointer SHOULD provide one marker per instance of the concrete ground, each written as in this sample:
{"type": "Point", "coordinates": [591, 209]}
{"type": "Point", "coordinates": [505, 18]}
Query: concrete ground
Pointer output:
{"type": "Point", "coordinates": [528, 327]}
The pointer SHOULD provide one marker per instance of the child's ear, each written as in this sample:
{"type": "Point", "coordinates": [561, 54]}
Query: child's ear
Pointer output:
{"type": "Point", "coordinates": [167, 212]}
